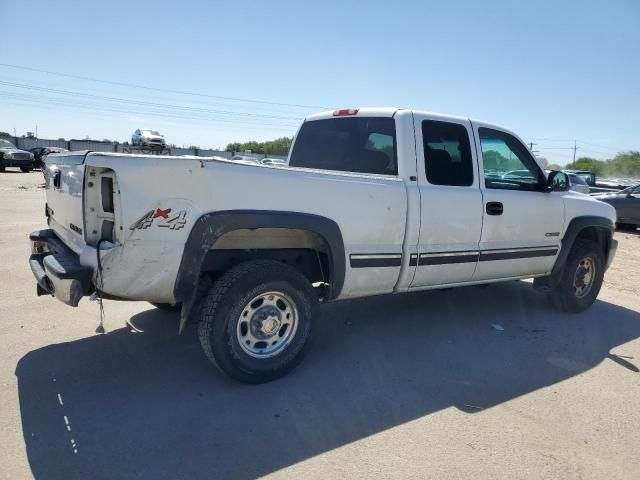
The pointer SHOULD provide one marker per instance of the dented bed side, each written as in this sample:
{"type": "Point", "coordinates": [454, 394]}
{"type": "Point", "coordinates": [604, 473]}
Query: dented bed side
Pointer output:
{"type": "Point", "coordinates": [144, 208]}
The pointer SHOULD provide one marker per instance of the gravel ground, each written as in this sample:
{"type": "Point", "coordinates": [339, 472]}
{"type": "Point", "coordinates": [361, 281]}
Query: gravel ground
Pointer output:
{"type": "Point", "coordinates": [410, 386]}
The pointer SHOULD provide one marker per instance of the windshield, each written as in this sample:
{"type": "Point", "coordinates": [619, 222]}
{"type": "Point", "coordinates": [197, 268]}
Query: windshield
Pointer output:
{"type": "Point", "coordinates": [151, 132]}
{"type": "Point", "coordinates": [6, 144]}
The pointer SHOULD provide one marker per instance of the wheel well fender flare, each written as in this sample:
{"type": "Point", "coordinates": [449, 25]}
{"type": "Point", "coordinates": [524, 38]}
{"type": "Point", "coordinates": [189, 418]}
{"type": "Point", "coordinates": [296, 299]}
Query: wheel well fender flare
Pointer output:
{"type": "Point", "coordinates": [211, 226]}
{"type": "Point", "coordinates": [572, 232]}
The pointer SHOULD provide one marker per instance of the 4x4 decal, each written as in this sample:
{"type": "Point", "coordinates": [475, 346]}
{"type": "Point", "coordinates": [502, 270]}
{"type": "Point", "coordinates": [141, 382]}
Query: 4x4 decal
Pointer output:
{"type": "Point", "coordinates": [167, 220]}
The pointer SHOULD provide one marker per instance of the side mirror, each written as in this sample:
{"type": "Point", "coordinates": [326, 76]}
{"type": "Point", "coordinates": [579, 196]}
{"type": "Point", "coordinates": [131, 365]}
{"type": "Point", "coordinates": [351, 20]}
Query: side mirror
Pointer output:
{"type": "Point", "coordinates": [557, 181]}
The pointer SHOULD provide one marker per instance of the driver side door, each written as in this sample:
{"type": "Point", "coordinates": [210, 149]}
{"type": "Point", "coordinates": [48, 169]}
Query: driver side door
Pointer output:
{"type": "Point", "coordinates": [522, 222]}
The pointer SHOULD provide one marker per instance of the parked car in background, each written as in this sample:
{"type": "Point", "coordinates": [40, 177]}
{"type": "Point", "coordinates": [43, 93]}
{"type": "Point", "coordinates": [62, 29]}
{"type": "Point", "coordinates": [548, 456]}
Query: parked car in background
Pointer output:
{"type": "Point", "coordinates": [627, 205]}
{"type": "Point", "coordinates": [587, 176]}
{"type": "Point", "coordinates": [274, 162]}
{"type": "Point", "coordinates": [577, 183]}
{"type": "Point", "coordinates": [245, 158]}
{"type": "Point", "coordinates": [39, 154]}
{"type": "Point", "coordinates": [145, 137]}
{"type": "Point", "coordinates": [12, 156]}
{"type": "Point", "coordinates": [36, 151]}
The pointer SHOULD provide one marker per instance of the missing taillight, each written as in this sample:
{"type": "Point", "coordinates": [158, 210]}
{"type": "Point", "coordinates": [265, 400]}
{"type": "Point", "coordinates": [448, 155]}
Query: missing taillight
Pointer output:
{"type": "Point", "coordinates": [106, 190]}
{"type": "Point", "coordinates": [107, 231]}
{"type": "Point", "coordinates": [100, 205]}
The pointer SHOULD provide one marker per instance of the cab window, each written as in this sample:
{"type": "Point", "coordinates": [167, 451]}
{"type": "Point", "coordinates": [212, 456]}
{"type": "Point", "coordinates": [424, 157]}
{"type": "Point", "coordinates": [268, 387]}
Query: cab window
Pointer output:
{"type": "Point", "coordinates": [447, 154]}
{"type": "Point", "coordinates": [363, 145]}
{"type": "Point", "coordinates": [507, 162]}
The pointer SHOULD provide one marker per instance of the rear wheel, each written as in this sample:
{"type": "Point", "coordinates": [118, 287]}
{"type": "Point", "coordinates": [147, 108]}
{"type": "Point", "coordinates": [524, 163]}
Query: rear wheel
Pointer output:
{"type": "Point", "coordinates": [581, 279]}
{"type": "Point", "coordinates": [25, 169]}
{"type": "Point", "coordinates": [256, 320]}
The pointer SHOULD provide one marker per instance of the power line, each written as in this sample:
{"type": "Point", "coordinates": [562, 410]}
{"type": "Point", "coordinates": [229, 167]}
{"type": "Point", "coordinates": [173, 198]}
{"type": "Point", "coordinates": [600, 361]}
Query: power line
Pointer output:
{"type": "Point", "coordinates": [555, 148]}
{"type": "Point", "coordinates": [43, 102]}
{"type": "Point", "coordinates": [48, 82]}
{"type": "Point", "coordinates": [596, 145]}
{"type": "Point", "coordinates": [556, 140]}
{"type": "Point", "coordinates": [287, 132]}
{"type": "Point", "coordinates": [138, 102]}
{"type": "Point", "coordinates": [157, 89]}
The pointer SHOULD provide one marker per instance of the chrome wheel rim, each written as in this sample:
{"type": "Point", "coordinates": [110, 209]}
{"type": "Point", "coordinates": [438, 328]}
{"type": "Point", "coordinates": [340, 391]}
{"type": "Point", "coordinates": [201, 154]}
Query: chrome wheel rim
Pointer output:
{"type": "Point", "coordinates": [267, 324]}
{"type": "Point", "coordinates": [584, 277]}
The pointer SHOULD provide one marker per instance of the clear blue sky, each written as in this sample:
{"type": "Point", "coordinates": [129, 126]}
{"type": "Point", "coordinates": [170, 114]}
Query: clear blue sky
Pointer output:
{"type": "Point", "coordinates": [553, 71]}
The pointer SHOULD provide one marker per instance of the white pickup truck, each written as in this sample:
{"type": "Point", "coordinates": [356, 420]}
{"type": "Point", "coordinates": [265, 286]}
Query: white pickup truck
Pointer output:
{"type": "Point", "coordinates": [371, 201]}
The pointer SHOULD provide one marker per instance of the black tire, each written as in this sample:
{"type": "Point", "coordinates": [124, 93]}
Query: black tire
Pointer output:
{"type": "Point", "coordinates": [565, 296]}
{"type": "Point", "coordinates": [1, 167]}
{"type": "Point", "coordinates": [25, 169]}
{"type": "Point", "coordinates": [169, 307]}
{"type": "Point", "coordinates": [221, 323]}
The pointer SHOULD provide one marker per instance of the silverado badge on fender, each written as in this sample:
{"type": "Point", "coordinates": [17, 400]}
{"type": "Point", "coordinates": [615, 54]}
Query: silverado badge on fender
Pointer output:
{"type": "Point", "coordinates": [174, 222]}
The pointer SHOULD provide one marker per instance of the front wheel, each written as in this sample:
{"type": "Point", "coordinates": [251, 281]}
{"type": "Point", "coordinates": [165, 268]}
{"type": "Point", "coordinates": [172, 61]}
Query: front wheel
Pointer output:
{"type": "Point", "coordinates": [25, 169]}
{"type": "Point", "coordinates": [581, 279]}
{"type": "Point", "coordinates": [255, 321]}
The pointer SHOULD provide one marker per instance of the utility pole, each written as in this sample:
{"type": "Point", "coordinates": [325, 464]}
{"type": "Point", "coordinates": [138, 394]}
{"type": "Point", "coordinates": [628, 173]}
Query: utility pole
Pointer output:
{"type": "Point", "coordinates": [531, 146]}
{"type": "Point", "coordinates": [575, 147]}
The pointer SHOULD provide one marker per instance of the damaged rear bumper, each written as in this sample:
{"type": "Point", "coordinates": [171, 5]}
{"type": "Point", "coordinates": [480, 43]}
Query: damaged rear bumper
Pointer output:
{"type": "Point", "coordinates": [57, 269]}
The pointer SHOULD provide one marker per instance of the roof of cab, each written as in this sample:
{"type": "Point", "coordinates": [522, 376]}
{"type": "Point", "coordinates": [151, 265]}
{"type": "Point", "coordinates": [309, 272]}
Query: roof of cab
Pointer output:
{"type": "Point", "coordinates": [391, 111]}
{"type": "Point", "coordinates": [379, 112]}
{"type": "Point", "coordinates": [362, 112]}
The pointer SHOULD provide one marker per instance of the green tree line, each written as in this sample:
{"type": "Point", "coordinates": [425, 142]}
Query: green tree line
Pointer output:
{"type": "Point", "coordinates": [279, 146]}
{"type": "Point", "coordinates": [624, 164]}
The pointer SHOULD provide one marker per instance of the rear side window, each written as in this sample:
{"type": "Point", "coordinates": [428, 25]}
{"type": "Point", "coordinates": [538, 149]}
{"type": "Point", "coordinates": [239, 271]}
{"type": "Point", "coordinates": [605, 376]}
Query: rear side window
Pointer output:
{"type": "Point", "coordinates": [447, 154]}
{"type": "Point", "coordinates": [363, 145]}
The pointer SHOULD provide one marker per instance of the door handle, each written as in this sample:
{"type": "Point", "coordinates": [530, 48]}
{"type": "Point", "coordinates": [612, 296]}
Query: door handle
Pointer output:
{"type": "Point", "coordinates": [494, 208]}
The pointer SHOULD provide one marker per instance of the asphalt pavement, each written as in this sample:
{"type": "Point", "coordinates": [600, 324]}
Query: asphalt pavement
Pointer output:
{"type": "Point", "coordinates": [475, 382]}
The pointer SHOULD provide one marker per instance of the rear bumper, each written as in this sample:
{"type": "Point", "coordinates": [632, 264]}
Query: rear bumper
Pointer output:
{"type": "Point", "coordinates": [57, 269]}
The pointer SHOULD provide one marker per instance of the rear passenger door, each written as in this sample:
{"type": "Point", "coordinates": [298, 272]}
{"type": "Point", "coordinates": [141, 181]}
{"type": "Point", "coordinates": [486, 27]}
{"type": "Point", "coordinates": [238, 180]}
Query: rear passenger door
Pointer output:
{"type": "Point", "coordinates": [450, 201]}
